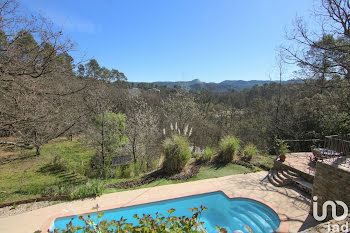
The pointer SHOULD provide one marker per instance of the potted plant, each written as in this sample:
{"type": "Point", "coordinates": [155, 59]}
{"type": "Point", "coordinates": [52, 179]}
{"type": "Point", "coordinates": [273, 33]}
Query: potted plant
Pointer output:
{"type": "Point", "coordinates": [282, 149]}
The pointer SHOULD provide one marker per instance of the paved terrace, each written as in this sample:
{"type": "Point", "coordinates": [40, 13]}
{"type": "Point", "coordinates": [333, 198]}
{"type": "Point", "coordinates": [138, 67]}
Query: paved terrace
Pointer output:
{"type": "Point", "coordinates": [288, 201]}
{"type": "Point", "coordinates": [339, 162]}
{"type": "Point", "coordinates": [301, 162]}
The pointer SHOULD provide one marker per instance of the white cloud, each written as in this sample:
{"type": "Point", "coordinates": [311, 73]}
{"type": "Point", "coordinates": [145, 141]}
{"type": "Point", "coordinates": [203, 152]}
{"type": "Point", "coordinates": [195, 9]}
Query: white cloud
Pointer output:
{"type": "Point", "coordinates": [64, 20]}
{"type": "Point", "coordinates": [75, 24]}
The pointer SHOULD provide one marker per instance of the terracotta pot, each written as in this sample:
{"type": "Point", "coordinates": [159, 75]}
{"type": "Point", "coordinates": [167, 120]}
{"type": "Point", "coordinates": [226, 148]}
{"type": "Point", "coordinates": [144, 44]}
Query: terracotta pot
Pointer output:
{"type": "Point", "coordinates": [282, 158]}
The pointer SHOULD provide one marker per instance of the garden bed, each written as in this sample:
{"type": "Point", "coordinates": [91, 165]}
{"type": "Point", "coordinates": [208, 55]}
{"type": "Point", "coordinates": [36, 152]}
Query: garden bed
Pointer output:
{"type": "Point", "coordinates": [157, 175]}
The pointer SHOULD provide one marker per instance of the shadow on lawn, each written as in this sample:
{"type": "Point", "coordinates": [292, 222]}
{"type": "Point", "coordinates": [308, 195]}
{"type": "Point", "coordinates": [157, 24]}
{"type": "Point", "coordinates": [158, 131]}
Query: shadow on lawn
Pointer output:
{"type": "Point", "coordinates": [218, 165]}
{"type": "Point", "coordinates": [16, 158]}
{"type": "Point", "coordinates": [58, 171]}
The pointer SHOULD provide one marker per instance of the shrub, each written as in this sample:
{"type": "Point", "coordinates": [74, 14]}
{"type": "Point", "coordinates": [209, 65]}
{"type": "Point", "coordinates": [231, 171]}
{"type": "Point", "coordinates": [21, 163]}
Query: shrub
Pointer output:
{"type": "Point", "coordinates": [139, 167]}
{"type": "Point", "coordinates": [197, 155]}
{"type": "Point", "coordinates": [131, 170]}
{"type": "Point", "coordinates": [92, 188]}
{"type": "Point", "coordinates": [58, 190]}
{"type": "Point", "coordinates": [249, 151]}
{"type": "Point", "coordinates": [177, 154]}
{"type": "Point", "coordinates": [207, 154]}
{"type": "Point", "coordinates": [229, 147]}
{"type": "Point", "coordinates": [123, 171]}
{"type": "Point", "coordinates": [281, 147]}
{"type": "Point", "coordinates": [51, 191]}
{"type": "Point", "coordinates": [152, 163]}
{"type": "Point", "coordinates": [65, 190]}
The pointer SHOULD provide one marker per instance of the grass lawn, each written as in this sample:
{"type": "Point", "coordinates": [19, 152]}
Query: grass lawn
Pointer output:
{"type": "Point", "coordinates": [265, 160]}
{"type": "Point", "coordinates": [215, 171]}
{"type": "Point", "coordinates": [24, 175]}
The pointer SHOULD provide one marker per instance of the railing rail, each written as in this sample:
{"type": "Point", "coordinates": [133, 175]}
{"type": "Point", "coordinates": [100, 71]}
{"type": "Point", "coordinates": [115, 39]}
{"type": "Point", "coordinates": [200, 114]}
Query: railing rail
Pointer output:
{"type": "Point", "coordinates": [338, 143]}
{"type": "Point", "coordinates": [303, 145]}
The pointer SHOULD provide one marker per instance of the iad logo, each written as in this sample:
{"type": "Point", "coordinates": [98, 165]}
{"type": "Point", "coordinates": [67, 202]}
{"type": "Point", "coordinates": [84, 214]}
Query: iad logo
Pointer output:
{"type": "Point", "coordinates": [334, 210]}
{"type": "Point", "coordinates": [332, 227]}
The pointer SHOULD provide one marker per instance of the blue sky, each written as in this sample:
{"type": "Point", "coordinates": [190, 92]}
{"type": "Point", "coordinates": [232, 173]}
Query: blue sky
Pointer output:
{"type": "Point", "coordinates": [177, 40]}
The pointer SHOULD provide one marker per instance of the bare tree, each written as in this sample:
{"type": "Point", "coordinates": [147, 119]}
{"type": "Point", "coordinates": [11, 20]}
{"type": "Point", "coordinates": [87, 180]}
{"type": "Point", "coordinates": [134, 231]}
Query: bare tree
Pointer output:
{"type": "Point", "coordinates": [325, 52]}
{"type": "Point", "coordinates": [38, 88]}
{"type": "Point", "coordinates": [142, 127]}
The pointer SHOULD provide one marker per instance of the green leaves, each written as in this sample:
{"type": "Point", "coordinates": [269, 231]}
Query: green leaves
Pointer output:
{"type": "Point", "coordinates": [249, 151]}
{"type": "Point", "coordinates": [171, 211]}
{"type": "Point", "coordinates": [221, 230]}
{"type": "Point", "coordinates": [100, 214]}
{"type": "Point", "coordinates": [281, 147]}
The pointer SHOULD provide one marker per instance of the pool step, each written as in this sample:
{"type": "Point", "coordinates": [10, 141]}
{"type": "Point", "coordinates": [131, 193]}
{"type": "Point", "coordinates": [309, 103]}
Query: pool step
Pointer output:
{"type": "Point", "coordinates": [304, 185]}
{"type": "Point", "coordinates": [253, 218]}
{"type": "Point", "coordinates": [278, 178]}
{"type": "Point", "coordinates": [290, 174]}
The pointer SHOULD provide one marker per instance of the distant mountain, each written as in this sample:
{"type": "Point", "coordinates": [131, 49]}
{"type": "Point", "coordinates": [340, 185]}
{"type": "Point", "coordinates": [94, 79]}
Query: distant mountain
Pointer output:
{"type": "Point", "coordinates": [196, 84]}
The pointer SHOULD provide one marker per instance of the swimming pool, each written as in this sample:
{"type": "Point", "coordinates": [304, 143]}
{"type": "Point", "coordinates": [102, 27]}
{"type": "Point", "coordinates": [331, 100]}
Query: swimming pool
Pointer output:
{"type": "Point", "coordinates": [233, 214]}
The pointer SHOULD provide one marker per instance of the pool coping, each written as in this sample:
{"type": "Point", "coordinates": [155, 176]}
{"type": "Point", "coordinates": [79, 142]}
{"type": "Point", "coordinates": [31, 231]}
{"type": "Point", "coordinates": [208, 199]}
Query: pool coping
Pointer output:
{"type": "Point", "coordinates": [283, 228]}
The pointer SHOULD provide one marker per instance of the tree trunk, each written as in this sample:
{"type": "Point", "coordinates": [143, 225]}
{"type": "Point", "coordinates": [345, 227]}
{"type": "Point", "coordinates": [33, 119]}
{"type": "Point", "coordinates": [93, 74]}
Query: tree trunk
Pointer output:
{"type": "Point", "coordinates": [103, 140]}
{"type": "Point", "coordinates": [134, 149]}
{"type": "Point", "coordinates": [37, 150]}
{"type": "Point", "coordinates": [279, 95]}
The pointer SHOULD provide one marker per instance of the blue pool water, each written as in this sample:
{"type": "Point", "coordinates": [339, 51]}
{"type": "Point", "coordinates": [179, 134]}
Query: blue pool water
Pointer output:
{"type": "Point", "coordinates": [233, 214]}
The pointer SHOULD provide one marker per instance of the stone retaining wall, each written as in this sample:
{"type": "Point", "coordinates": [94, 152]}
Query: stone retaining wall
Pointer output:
{"type": "Point", "coordinates": [331, 183]}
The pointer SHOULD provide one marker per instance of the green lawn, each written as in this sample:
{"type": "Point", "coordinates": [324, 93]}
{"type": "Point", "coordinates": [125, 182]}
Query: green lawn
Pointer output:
{"type": "Point", "coordinates": [265, 160]}
{"type": "Point", "coordinates": [214, 171]}
{"type": "Point", "coordinates": [75, 156]}
{"type": "Point", "coordinates": [27, 175]}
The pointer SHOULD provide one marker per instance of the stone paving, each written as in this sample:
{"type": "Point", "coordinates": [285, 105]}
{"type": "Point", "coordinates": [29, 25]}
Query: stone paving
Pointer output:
{"type": "Point", "coordinates": [301, 162]}
{"type": "Point", "coordinates": [289, 201]}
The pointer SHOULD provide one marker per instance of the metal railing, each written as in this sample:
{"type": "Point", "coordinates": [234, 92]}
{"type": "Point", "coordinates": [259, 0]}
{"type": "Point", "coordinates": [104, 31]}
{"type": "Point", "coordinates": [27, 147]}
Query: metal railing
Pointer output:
{"type": "Point", "coordinates": [338, 143]}
{"type": "Point", "coordinates": [305, 145]}
{"type": "Point", "coordinates": [341, 145]}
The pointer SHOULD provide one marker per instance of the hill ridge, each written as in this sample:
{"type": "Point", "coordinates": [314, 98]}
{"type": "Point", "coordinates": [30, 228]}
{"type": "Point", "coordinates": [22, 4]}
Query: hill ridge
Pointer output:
{"type": "Point", "coordinates": [225, 85]}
